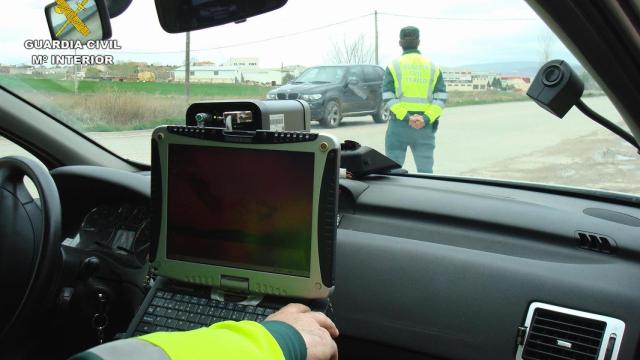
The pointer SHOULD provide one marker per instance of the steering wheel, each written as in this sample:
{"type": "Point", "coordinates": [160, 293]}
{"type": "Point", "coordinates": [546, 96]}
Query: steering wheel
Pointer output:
{"type": "Point", "coordinates": [30, 235]}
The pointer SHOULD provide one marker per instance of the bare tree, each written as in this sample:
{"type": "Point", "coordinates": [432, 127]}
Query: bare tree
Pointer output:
{"type": "Point", "coordinates": [546, 41]}
{"type": "Point", "coordinates": [287, 77]}
{"type": "Point", "coordinates": [356, 51]}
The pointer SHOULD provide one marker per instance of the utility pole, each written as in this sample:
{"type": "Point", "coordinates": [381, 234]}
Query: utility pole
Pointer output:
{"type": "Point", "coordinates": [187, 65]}
{"type": "Point", "coordinates": [375, 17]}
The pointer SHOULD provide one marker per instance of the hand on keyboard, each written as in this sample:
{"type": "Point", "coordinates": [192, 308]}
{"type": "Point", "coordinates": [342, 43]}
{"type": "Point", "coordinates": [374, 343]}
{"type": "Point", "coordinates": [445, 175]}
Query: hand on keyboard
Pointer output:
{"type": "Point", "coordinates": [316, 329]}
{"type": "Point", "coordinates": [170, 311]}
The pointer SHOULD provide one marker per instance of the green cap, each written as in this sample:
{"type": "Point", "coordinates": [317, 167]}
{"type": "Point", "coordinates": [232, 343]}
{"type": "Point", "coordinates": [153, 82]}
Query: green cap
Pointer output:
{"type": "Point", "coordinates": [409, 32]}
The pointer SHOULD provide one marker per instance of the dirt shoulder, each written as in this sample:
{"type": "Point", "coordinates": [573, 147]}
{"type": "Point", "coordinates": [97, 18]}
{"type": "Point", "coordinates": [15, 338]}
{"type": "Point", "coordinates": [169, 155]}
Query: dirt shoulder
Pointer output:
{"type": "Point", "coordinates": [597, 160]}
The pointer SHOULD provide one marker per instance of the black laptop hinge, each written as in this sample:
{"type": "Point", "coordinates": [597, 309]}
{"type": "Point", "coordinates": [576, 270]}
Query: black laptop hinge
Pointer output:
{"type": "Point", "coordinates": [234, 284]}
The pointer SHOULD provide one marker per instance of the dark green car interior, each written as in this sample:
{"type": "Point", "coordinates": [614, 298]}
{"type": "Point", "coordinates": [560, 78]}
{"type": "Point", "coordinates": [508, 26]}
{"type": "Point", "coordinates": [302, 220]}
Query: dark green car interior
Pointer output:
{"type": "Point", "coordinates": [427, 267]}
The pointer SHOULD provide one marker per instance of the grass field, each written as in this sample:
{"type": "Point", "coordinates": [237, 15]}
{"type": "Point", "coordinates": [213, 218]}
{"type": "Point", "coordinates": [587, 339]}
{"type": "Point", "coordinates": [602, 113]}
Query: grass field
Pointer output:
{"type": "Point", "coordinates": [117, 106]}
{"type": "Point", "coordinates": [25, 83]}
{"type": "Point", "coordinates": [464, 98]}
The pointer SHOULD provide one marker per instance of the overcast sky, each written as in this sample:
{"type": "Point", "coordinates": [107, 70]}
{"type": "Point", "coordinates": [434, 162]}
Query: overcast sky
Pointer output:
{"type": "Point", "coordinates": [467, 32]}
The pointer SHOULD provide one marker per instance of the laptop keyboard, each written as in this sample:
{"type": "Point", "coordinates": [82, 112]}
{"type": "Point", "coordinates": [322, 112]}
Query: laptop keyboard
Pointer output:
{"type": "Point", "coordinates": [171, 311]}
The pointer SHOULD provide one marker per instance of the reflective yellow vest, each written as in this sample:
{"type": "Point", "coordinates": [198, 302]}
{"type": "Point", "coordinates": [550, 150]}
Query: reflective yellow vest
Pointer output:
{"type": "Point", "coordinates": [414, 77]}
{"type": "Point", "coordinates": [228, 340]}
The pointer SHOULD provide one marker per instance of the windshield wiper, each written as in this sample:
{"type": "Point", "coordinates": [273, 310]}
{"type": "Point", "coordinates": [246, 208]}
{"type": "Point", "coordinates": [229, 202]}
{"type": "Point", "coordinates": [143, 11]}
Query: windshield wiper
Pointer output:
{"type": "Point", "coordinates": [297, 82]}
{"type": "Point", "coordinates": [320, 82]}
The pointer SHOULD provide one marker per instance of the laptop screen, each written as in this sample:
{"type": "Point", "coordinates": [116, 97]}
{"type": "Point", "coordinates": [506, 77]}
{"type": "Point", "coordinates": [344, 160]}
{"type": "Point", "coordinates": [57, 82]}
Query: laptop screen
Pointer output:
{"type": "Point", "coordinates": [242, 208]}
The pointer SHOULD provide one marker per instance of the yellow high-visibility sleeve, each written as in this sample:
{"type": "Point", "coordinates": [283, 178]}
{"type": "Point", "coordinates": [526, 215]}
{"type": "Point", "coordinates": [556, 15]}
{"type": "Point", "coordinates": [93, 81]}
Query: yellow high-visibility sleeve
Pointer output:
{"type": "Point", "coordinates": [229, 340]}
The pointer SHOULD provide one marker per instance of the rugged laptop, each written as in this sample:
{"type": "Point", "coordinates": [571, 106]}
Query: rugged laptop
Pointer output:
{"type": "Point", "coordinates": [245, 222]}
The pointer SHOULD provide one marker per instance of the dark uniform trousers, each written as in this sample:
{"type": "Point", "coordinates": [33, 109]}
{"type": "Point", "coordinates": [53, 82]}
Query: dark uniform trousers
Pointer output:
{"type": "Point", "coordinates": [422, 142]}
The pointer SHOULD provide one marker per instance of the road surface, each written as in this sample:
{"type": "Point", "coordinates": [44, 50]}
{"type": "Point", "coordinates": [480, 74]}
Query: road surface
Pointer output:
{"type": "Point", "coordinates": [515, 140]}
{"type": "Point", "coordinates": [469, 137]}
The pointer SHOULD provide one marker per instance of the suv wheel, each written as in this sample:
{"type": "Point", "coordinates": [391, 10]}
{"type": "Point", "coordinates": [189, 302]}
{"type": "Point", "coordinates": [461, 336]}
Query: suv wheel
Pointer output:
{"type": "Point", "coordinates": [382, 115]}
{"type": "Point", "coordinates": [332, 115]}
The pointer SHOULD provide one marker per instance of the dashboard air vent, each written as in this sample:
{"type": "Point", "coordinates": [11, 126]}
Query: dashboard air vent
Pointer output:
{"type": "Point", "coordinates": [595, 242]}
{"type": "Point", "coordinates": [554, 335]}
{"type": "Point", "coordinates": [557, 333]}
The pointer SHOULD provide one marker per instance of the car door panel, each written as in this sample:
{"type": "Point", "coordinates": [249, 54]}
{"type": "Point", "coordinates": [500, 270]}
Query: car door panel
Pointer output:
{"type": "Point", "coordinates": [419, 267]}
{"type": "Point", "coordinates": [373, 83]}
{"type": "Point", "coordinates": [355, 94]}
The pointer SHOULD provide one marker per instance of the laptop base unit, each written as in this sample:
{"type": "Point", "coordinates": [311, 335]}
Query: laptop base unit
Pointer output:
{"type": "Point", "coordinates": [175, 306]}
{"type": "Point", "coordinates": [245, 222]}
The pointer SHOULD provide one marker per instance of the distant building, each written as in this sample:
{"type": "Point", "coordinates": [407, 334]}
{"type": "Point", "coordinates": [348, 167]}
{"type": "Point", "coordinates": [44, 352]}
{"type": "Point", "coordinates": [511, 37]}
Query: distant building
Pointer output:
{"type": "Point", "coordinates": [205, 63]}
{"type": "Point", "coordinates": [518, 83]}
{"type": "Point", "coordinates": [57, 70]}
{"type": "Point", "coordinates": [481, 82]}
{"type": "Point", "coordinates": [237, 70]}
{"type": "Point", "coordinates": [458, 80]}
{"type": "Point", "coordinates": [164, 73]}
{"type": "Point", "coordinates": [467, 80]}
{"type": "Point", "coordinates": [146, 76]}
{"type": "Point", "coordinates": [246, 62]}
{"type": "Point", "coordinates": [271, 77]}
{"type": "Point", "coordinates": [234, 71]}
{"type": "Point", "coordinates": [21, 70]}
{"type": "Point", "coordinates": [80, 75]}
{"type": "Point", "coordinates": [208, 74]}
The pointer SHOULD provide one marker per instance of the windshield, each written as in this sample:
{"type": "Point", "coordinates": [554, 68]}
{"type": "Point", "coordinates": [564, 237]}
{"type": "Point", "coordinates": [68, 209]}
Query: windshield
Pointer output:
{"type": "Point", "coordinates": [478, 121]}
{"type": "Point", "coordinates": [331, 74]}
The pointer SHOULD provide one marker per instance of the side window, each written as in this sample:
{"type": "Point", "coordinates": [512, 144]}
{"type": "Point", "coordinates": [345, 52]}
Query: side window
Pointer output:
{"type": "Point", "coordinates": [355, 72]}
{"type": "Point", "coordinates": [9, 148]}
{"type": "Point", "coordinates": [373, 74]}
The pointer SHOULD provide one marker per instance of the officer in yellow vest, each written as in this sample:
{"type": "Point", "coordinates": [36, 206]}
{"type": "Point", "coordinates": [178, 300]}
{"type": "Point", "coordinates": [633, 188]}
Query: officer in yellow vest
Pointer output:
{"type": "Point", "coordinates": [292, 333]}
{"type": "Point", "coordinates": [415, 92]}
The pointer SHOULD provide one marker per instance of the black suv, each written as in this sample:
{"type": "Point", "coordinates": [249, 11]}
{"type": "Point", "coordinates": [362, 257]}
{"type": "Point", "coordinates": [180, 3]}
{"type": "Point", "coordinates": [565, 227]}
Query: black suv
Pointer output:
{"type": "Point", "coordinates": [336, 91]}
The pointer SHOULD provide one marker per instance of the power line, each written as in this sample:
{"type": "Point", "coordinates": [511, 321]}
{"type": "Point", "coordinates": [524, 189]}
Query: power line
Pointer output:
{"type": "Point", "coordinates": [296, 33]}
{"type": "Point", "coordinates": [253, 41]}
{"type": "Point", "coordinates": [437, 18]}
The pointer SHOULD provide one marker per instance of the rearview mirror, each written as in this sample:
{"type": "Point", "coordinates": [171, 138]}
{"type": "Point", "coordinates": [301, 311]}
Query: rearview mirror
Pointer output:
{"type": "Point", "coordinates": [82, 20]}
{"type": "Point", "coordinates": [178, 16]}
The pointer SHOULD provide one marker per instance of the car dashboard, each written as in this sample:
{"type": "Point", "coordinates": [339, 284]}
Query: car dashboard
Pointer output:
{"type": "Point", "coordinates": [105, 211]}
{"type": "Point", "coordinates": [119, 230]}
{"type": "Point", "coordinates": [428, 268]}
